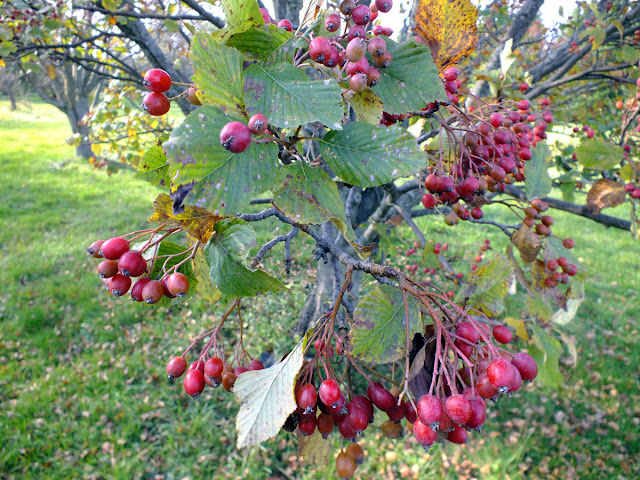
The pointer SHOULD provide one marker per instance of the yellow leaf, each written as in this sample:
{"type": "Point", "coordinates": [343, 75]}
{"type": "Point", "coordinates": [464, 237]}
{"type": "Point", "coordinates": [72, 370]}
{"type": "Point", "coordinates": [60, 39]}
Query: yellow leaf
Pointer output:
{"type": "Point", "coordinates": [448, 28]}
{"type": "Point", "coordinates": [519, 326]}
{"type": "Point", "coordinates": [314, 449]}
{"type": "Point", "coordinates": [205, 287]}
{"type": "Point", "coordinates": [2, 64]}
{"type": "Point", "coordinates": [196, 221]}
{"type": "Point", "coordinates": [51, 71]}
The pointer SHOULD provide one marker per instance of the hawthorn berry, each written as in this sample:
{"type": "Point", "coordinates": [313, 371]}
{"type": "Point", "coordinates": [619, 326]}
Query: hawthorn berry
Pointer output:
{"type": "Point", "coordinates": [468, 331]}
{"type": "Point", "coordinates": [428, 201]}
{"type": "Point", "coordinates": [458, 408]}
{"type": "Point", "coordinates": [153, 292]}
{"type": "Point", "coordinates": [424, 434]}
{"type": "Point", "coordinates": [361, 15]}
{"type": "Point", "coordinates": [255, 364]}
{"type": "Point", "coordinates": [373, 77]}
{"type": "Point", "coordinates": [357, 31]}
{"type": "Point", "coordinates": [568, 243]}
{"type": "Point", "coordinates": [332, 23]}
{"type": "Point", "coordinates": [286, 24]}
{"type": "Point", "coordinates": [526, 365]}
{"type": "Point", "coordinates": [265, 15]}
{"type": "Point", "coordinates": [258, 124]}
{"type": "Point", "coordinates": [430, 411]}
{"type": "Point", "coordinates": [306, 398]}
{"type": "Point", "coordinates": [358, 82]}
{"type": "Point", "coordinates": [319, 49]}
{"type": "Point", "coordinates": [391, 430]}
{"type": "Point", "coordinates": [176, 367]}
{"type": "Point", "coordinates": [384, 5]}
{"type": "Point", "coordinates": [177, 283]}
{"type": "Point", "coordinates": [132, 263]}
{"type": "Point", "coordinates": [347, 7]}
{"type": "Point", "coordinates": [355, 450]}
{"type": "Point", "coordinates": [107, 268]}
{"type": "Point", "coordinates": [94, 249]}
{"type": "Point", "coordinates": [113, 248]}
{"type": "Point", "coordinates": [381, 397]}
{"type": "Point", "coordinates": [502, 334]}
{"type": "Point", "coordinates": [377, 46]}
{"type": "Point", "coordinates": [228, 380]}
{"type": "Point", "coordinates": [192, 96]}
{"type": "Point", "coordinates": [193, 383]}
{"type": "Point", "coordinates": [119, 285]}
{"type": "Point", "coordinates": [307, 426]}
{"type": "Point", "coordinates": [329, 392]}
{"type": "Point", "coordinates": [458, 435]}
{"type": "Point", "coordinates": [136, 291]}
{"type": "Point", "coordinates": [345, 465]}
{"type": "Point", "coordinates": [213, 367]}
{"type": "Point", "coordinates": [235, 137]}
{"type": "Point", "coordinates": [325, 424]}
{"type": "Point", "coordinates": [500, 373]}
{"type": "Point", "coordinates": [157, 80]}
{"type": "Point", "coordinates": [156, 104]}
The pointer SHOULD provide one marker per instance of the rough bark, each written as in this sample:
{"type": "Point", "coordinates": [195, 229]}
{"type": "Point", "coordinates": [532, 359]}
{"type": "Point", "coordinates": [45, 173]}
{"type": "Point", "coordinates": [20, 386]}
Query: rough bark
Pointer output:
{"type": "Point", "coordinates": [289, 9]}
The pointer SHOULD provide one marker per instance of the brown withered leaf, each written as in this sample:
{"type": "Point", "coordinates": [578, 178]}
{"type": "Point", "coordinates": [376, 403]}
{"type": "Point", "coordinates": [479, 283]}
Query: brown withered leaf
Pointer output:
{"type": "Point", "coordinates": [196, 221]}
{"type": "Point", "coordinates": [422, 359]}
{"type": "Point", "coordinates": [605, 193]}
{"type": "Point", "coordinates": [552, 296]}
{"type": "Point", "coordinates": [527, 242]}
{"type": "Point", "coordinates": [448, 28]}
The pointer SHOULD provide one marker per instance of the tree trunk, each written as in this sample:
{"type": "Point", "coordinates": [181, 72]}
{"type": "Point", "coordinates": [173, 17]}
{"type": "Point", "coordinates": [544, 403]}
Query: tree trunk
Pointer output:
{"type": "Point", "coordinates": [12, 98]}
{"type": "Point", "coordinates": [75, 114]}
{"type": "Point", "coordinates": [289, 9]}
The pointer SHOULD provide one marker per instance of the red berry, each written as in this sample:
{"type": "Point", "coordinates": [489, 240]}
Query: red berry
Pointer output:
{"type": "Point", "coordinates": [94, 249]}
{"type": "Point", "coordinates": [156, 104]}
{"type": "Point", "coordinates": [384, 5]}
{"type": "Point", "coordinates": [235, 137]}
{"type": "Point", "coordinates": [152, 292]}
{"type": "Point", "coordinates": [356, 49]}
{"type": "Point", "coordinates": [502, 334]}
{"type": "Point", "coordinates": [307, 397]}
{"type": "Point", "coordinates": [177, 284]}
{"type": "Point", "coordinates": [568, 243]}
{"type": "Point", "coordinates": [358, 82]}
{"type": "Point", "coordinates": [357, 31]}
{"type": "Point", "coordinates": [377, 46]}
{"type": "Point", "coordinates": [424, 434]}
{"type": "Point", "coordinates": [157, 80]}
{"type": "Point", "coordinates": [358, 67]}
{"type": "Point", "coordinates": [458, 409]}
{"type": "Point", "coordinates": [319, 49]}
{"type": "Point", "coordinates": [213, 367]}
{"type": "Point", "coordinates": [484, 387]}
{"type": "Point", "coordinates": [194, 383]}
{"type": "Point", "coordinates": [107, 268]}
{"type": "Point", "coordinates": [240, 370]}
{"type": "Point", "coordinates": [500, 373]}
{"type": "Point", "coordinates": [365, 404]}
{"type": "Point", "coordinates": [176, 367]}
{"type": "Point", "coordinates": [428, 201]}
{"type": "Point", "coordinates": [382, 398]}
{"type": "Point", "coordinates": [458, 435]}
{"type": "Point", "coordinates": [526, 365]}
{"type": "Point", "coordinates": [495, 119]}
{"type": "Point", "coordinates": [478, 413]}
{"type": "Point", "coordinates": [467, 331]}
{"type": "Point", "coordinates": [197, 365]}
{"type": "Point", "coordinates": [265, 15]}
{"type": "Point", "coordinates": [451, 74]}
{"type": "Point", "coordinates": [255, 365]}
{"type": "Point", "coordinates": [119, 285]}
{"type": "Point", "coordinates": [132, 263]}
{"type": "Point", "coordinates": [113, 248]}
{"type": "Point", "coordinates": [136, 291]}
{"type": "Point", "coordinates": [477, 213]}
{"type": "Point", "coordinates": [286, 24]}
{"type": "Point", "coordinates": [258, 124]}
{"type": "Point", "coordinates": [361, 15]}
{"type": "Point", "coordinates": [329, 392]}
{"type": "Point", "coordinates": [430, 411]}
{"type": "Point", "coordinates": [332, 23]}
{"type": "Point", "coordinates": [358, 417]}
{"type": "Point", "coordinates": [517, 379]}
{"type": "Point", "coordinates": [307, 426]}
{"type": "Point", "coordinates": [347, 6]}
{"type": "Point", "coordinates": [325, 424]}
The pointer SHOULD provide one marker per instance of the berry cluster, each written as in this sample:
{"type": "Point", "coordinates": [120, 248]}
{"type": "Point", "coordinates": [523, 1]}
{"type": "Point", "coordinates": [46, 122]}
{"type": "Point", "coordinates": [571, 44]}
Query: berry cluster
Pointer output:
{"type": "Point", "coordinates": [157, 103]}
{"type": "Point", "coordinates": [633, 190]}
{"type": "Point", "coordinates": [121, 264]}
{"type": "Point", "coordinates": [585, 128]}
{"type": "Point", "coordinates": [212, 372]}
{"type": "Point", "coordinates": [236, 136]}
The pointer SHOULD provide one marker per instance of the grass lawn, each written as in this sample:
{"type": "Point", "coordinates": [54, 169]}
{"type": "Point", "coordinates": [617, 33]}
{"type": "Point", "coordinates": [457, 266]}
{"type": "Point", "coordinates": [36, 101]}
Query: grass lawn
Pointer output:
{"type": "Point", "coordinates": [82, 384]}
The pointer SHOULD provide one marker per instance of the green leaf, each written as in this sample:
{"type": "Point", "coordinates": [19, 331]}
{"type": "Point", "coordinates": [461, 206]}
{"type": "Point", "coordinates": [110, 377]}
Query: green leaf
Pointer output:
{"type": "Point", "coordinates": [411, 81]}
{"type": "Point", "coordinates": [507, 57]}
{"type": "Point", "coordinates": [171, 25]}
{"type": "Point", "coordinates": [368, 156]}
{"type": "Point", "coordinates": [241, 15]}
{"type": "Point", "coordinates": [269, 44]}
{"type": "Point", "coordinates": [223, 181]}
{"type": "Point", "coordinates": [568, 190]}
{"type": "Point", "coordinates": [171, 248]}
{"type": "Point", "coordinates": [487, 286]}
{"type": "Point", "coordinates": [599, 154]}
{"type": "Point", "coordinates": [537, 181]}
{"type": "Point", "coordinates": [378, 332]}
{"type": "Point", "coordinates": [546, 350]}
{"type": "Point", "coordinates": [429, 257]}
{"type": "Point", "coordinates": [111, 5]}
{"type": "Point", "coordinates": [367, 107]}
{"type": "Point", "coordinates": [153, 167]}
{"type": "Point", "coordinates": [308, 195]}
{"type": "Point", "coordinates": [626, 172]}
{"type": "Point", "coordinates": [218, 73]}
{"type": "Point", "coordinates": [630, 54]}
{"type": "Point", "coordinates": [267, 398]}
{"type": "Point", "coordinates": [205, 287]}
{"type": "Point", "coordinates": [288, 98]}
{"type": "Point", "coordinates": [226, 255]}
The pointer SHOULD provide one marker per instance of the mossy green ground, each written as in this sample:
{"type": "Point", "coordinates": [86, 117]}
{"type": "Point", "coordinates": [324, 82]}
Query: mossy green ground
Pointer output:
{"type": "Point", "coordinates": [82, 386]}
